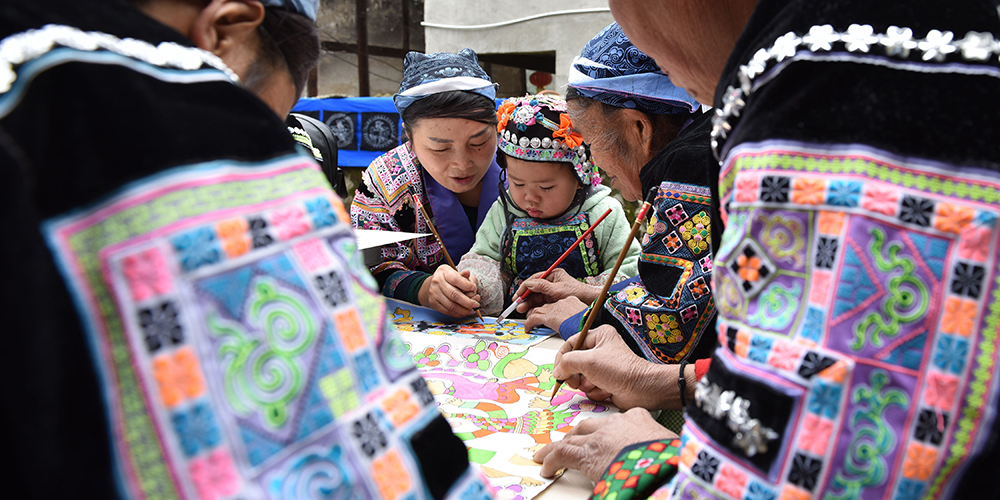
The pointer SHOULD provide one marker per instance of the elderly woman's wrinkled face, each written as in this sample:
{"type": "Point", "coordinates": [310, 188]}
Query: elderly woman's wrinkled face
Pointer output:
{"type": "Point", "coordinates": [615, 150]}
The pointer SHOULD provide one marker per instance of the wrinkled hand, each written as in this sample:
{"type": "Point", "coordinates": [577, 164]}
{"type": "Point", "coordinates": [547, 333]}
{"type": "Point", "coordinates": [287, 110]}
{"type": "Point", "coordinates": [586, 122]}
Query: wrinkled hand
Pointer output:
{"type": "Point", "coordinates": [450, 292]}
{"type": "Point", "coordinates": [552, 315]}
{"type": "Point", "coordinates": [593, 444]}
{"type": "Point", "coordinates": [556, 286]}
{"type": "Point", "coordinates": [606, 369]}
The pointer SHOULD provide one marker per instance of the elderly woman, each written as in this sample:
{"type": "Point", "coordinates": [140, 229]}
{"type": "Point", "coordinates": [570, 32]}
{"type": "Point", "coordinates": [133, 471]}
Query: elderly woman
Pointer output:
{"type": "Point", "coordinates": [857, 278]}
{"type": "Point", "coordinates": [449, 114]}
{"type": "Point", "coordinates": [645, 133]}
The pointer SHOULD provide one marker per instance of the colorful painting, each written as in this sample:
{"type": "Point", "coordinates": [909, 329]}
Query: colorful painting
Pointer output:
{"type": "Point", "coordinates": [413, 318]}
{"type": "Point", "coordinates": [496, 398]}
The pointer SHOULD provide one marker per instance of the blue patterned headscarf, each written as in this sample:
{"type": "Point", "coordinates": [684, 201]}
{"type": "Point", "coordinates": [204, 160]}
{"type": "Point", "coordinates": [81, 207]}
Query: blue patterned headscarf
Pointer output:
{"type": "Point", "coordinates": [612, 70]}
{"type": "Point", "coordinates": [428, 74]}
{"type": "Point", "coordinates": [305, 7]}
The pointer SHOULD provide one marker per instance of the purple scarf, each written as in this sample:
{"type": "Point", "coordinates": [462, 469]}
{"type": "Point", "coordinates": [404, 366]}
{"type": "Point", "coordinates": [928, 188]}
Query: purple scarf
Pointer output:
{"type": "Point", "coordinates": [449, 216]}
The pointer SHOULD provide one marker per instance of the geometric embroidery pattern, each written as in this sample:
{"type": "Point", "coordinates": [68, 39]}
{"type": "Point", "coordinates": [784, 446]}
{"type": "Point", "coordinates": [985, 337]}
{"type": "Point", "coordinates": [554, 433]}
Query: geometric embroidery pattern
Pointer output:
{"type": "Point", "coordinates": [160, 326]}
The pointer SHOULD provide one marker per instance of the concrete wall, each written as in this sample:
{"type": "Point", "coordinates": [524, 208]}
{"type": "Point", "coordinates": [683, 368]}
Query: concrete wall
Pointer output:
{"type": "Point", "coordinates": [564, 34]}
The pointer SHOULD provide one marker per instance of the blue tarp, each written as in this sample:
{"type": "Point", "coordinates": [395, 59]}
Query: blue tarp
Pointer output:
{"type": "Point", "coordinates": [365, 127]}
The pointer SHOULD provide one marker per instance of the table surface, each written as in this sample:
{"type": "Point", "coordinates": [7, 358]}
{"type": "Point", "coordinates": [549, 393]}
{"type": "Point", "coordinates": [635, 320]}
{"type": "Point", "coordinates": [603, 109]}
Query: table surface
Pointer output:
{"type": "Point", "coordinates": [572, 485]}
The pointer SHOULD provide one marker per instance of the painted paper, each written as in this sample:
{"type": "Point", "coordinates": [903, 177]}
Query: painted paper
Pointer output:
{"type": "Point", "coordinates": [413, 318]}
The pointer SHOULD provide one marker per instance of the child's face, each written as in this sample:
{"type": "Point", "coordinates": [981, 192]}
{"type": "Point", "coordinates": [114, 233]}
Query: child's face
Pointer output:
{"type": "Point", "coordinates": [543, 189]}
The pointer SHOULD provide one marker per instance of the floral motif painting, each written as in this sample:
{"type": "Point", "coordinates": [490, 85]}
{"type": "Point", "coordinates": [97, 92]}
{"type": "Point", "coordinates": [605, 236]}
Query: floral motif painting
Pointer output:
{"type": "Point", "coordinates": [496, 397]}
{"type": "Point", "coordinates": [413, 318]}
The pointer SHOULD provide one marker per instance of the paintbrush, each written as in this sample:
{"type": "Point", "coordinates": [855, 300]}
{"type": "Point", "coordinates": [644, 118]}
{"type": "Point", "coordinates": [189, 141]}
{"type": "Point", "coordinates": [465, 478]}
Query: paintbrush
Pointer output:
{"type": "Point", "coordinates": [430, 224]}
{"type": "Point", "coordinates": [513, 306]}
{"type": "Point", "coordinates": [639, 219]}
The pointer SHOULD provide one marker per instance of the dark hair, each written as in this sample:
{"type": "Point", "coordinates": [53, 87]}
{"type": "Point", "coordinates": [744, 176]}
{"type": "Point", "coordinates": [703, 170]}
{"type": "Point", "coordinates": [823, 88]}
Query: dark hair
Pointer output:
{"type": "Point", "coordinates": [665, 127]}
{"type": "Point", "coordinates": [451, 104]}
{"type": "Point", "coordinates": [287, 40]}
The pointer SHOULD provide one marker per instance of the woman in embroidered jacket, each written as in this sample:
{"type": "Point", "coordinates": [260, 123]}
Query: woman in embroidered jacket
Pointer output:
{"type": "Point", "coordinates": [447, 105]}
{"type": "Point", "coordinates": [554, 194]}
{"type": "Point", "coordinates": [644, 132]}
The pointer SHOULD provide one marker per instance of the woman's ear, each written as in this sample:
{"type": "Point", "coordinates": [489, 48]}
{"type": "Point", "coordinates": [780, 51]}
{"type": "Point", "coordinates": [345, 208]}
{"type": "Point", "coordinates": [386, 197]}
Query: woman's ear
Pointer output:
{"type": "Point", "coordinates": [639, 129]}
{"type": "Point", "coordinates": [228, 29]}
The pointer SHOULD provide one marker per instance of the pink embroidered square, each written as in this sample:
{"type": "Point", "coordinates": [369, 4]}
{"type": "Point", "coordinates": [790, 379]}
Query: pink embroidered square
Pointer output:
{"type": "Point", "coordinates": [213, 475]}
{"type": "Point", "coordinates": [974, 243]}
{"type": "Point", "coordinates": [289, 222]}
{"type": "Point", "coordinates": [819, 289]}
{"type": "Point", "coordinates": [312, 255]}
{"type": "Point", "coordinates": [815, 434]}
{"type": "Point", "coordinates": [147, 274]}
{"type": "Point", "coordinates": [882, 200]}
{"type": "Point", "coordinates": [731, 481]}
{"type": "Point", "coordinates": [940, 390]}
{"type": "Point", "coordinates": [747, 188]}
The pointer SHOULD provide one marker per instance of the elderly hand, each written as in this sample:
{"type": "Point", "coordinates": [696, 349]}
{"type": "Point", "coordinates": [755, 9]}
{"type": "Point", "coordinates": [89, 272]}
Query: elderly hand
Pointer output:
{"type": "Point", "coordinates": [552, 315]}
{"type": "Point", "coordinates": [556, 286]}
{"type": "Point", "coordinates": [594, 443]}
{"type": "Point", "coordinates": [606, 369]}
{"type": "Point", "coordinates": [450, 292]}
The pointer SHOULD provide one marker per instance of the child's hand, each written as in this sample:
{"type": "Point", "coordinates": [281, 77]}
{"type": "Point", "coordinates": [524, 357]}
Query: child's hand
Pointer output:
{"type": "Point", "coordinates": [450, 292]}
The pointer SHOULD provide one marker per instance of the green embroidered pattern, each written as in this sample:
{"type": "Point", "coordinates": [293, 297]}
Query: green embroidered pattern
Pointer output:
{"type": "Point", "coordinates": [140, 445]}
{"type": "Point", "coordinates": [908, 296]}
{"type": "Point", "coordinates": [783, 237]}
{"type": "Point", "coordinates": [930, 183]}
{"type": "Point", "coordinates": [265, 377]}
{"type": "Point", "coordinates": [865, 464]}
{"type": "Point", "coordinates": [777, 307]}
{"type": "Point", "coordinates": [979, 386]}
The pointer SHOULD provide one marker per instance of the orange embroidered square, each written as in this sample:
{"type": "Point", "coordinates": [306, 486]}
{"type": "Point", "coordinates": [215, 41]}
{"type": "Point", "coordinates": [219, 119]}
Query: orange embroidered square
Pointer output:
{"type": "Point", "coordinates": [959, 316]}
{"type": "Point", "coordinates": [178, 376]}
{"type": "Point", "coordinates": [830, 222]}
{"type": "Point", "coordinates": [792, 493]}
{"type": "Point", "coordinates": [689, 453]}
{"type": "Point", "coordinates": [349, 327]}
{"type": "Point", "coordinates": [919, 461]}
{"type": "Point", "coordinates": [233, 237]}
{"type": "Point", "coordinates": [390, 475]}
{"type": "Point", "coordinates": [836, 372]}
{"type": "Point", "coordinates": [808, 191]}
{"type": "Point", "coordinates": [400, 407]}
{"type": "Point", "coordinates": [338, 208]}
{"type": "Point", "coordinates": [952, 218]}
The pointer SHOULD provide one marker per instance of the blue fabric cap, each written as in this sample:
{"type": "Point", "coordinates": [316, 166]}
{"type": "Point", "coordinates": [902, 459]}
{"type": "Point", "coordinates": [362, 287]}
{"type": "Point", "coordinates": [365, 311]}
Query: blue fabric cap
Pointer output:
{"type": "Point", "coordinates": [612, 70]}
{"type": "Point", "coordinates": [429, 74]}
{"type": "Point", "coordinates": [305, 7]}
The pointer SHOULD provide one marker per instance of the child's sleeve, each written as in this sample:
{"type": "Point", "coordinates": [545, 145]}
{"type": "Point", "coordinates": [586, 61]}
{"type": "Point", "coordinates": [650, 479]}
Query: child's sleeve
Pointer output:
{"type": "Point", "coordinates": [611, 236]}
{"type": "Point", "coordinates": [483, 260]}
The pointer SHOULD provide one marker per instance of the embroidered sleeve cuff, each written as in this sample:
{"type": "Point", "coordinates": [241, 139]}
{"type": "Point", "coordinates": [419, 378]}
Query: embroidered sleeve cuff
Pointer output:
{"type": "Point", "coordinates": [573, 324]}
{"type": "Point", "coordinates": [701, 367]}
{"type": "Point", "coordinates": [639, 470]}
{"type": "Point", "coordinates": [404, 285]}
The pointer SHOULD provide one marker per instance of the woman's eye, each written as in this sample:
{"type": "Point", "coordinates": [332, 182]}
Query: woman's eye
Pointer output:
{"type": "Point", "coordinates": [546, 188]}
{"type": "Point", "coordinates": [518, 185]}
{"type": "Point", "coordinates": [478, 145]}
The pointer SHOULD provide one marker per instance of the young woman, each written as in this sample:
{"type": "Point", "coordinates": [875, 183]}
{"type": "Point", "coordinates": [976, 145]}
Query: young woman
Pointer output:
{"type": "Point", "coordinates": [448, 109]}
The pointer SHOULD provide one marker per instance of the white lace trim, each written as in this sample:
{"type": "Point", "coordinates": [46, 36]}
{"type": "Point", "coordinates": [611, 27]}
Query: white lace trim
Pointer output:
{"type": "Point", "coordinates": [895, 42]}
{"type": "Point", "coordinates": [24, 47]}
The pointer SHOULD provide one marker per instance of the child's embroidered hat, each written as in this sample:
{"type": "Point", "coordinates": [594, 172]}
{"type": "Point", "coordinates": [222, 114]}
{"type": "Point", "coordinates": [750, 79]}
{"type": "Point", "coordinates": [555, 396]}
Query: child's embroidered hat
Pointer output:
{"type": "Point", "coordinates": [537, 128]}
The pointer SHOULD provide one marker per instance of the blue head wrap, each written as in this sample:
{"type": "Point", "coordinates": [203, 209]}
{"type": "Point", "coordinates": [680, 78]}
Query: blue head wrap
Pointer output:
{"type": "Point", "coordinates": [612, 70]}
{"type": "Point", "coordinates": [305, 7]}
{"type": "Point", "coordinates": [428, 74]}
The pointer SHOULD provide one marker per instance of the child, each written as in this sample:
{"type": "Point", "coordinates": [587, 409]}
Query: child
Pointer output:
{"type": "Point", "coordinates": [554, 194]}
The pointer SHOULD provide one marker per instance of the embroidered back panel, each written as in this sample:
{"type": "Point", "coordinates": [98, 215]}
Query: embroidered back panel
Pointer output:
{"type": "Point", "coordinates": [243, 349]}
{"type": "Point", "coordinates": [667, 311]}
{"type": "Point", "coordinates": [859, 306]}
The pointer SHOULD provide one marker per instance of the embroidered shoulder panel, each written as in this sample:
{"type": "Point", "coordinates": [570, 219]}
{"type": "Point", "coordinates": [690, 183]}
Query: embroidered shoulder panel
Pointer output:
{"type": "Point", "coordinates": [243, 349]}
{"type": "Point", "coordinates": [393, 174]}
{"type": "Point", "coordinates": [862, 288]}
{"type": "Point", "coordinates": [668, 309]}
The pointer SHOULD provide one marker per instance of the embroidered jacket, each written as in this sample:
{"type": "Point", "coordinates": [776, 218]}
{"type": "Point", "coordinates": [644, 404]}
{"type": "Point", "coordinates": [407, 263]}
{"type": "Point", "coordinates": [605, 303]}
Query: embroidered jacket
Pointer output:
{"type": "Point", "coordinates": [383, 202]}
{"type": "Point", "coordinates": [663, 312]}
{"type": "Point", "coordinates": [856, 280]}
{"type": "Point", "coordinates": [192, 321]}
{"type": "Point", "coordinates": [535, 244]}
